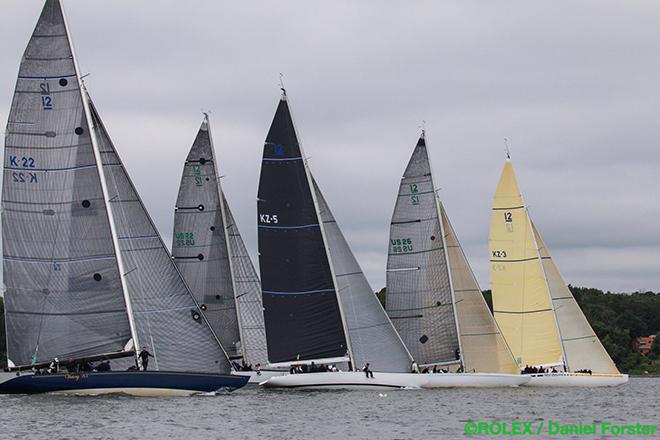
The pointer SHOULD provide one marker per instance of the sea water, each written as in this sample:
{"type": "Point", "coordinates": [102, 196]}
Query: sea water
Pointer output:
{"type": "Point", "coordinates": [257, 413]}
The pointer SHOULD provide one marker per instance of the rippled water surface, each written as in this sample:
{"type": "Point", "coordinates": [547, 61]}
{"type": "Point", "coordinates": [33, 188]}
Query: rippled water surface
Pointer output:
{"type": "Point", "coordinates": [257, 413]}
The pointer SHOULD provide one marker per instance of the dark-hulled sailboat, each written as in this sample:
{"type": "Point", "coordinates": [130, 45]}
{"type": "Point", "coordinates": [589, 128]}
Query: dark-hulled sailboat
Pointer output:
{"type": "Point", "coordinates": [318, 305]}
{"type": "Point", "coordinates": [213, 260]}
{"type": "Point", "coordinates": [87, 275]}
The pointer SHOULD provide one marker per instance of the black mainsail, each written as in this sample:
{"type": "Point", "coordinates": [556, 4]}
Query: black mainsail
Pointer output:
{"type": "Point", "coordinates": [301, 312]}
{"type": "Point", "coordinates": [318, 303]}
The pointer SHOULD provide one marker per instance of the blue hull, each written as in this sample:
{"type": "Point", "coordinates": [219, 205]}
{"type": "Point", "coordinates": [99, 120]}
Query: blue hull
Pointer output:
{"type": "Point", "coordinates": [147, 383]}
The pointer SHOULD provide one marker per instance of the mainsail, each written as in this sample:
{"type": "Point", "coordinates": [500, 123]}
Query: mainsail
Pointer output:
{"type": "Point", "coordinates": [64, 293]}
{"type": "Point", "coordinates": [301, 310]}
{"type": "Point", "coordinates": [199, 244]}
{"type": "Point", "coordinates": [86, 271]}
{"type": "Point", "coordinates": [372, 337]}
{"type": "Point", "coordinates": [521, 301]}
{"type": "Point", "coordinates": [210, 254]}
{"type": "Point", "coordinates": [419, 299]}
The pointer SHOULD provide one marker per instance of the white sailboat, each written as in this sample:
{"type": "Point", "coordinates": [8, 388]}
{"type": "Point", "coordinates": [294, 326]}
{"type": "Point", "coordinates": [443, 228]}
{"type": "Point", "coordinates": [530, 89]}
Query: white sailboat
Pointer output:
{"type": "Point", "coordinates": [533, 306]}
{"type": "Point", "coordinates": [209, 251]}
{"type": "Point", "coordinates": [432, 296]}
{"type": "Point", "coordinates": [318, 306]}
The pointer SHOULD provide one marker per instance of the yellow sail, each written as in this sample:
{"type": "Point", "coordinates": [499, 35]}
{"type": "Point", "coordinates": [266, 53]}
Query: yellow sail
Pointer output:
{"type": "Point", "coordinates": [484, 347]}
{"type": "Point", "coordinates": [521, 300]}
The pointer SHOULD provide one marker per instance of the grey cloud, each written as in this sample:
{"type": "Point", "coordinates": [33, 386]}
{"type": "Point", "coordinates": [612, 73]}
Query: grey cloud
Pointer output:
{"type": "Point", "coordinates": [573, 85]}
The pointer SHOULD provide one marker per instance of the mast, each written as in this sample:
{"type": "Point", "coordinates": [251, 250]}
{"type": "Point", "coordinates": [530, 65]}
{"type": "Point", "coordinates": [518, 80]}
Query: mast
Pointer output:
{"type": "Point", "coordinates": [325, 240]}
{"type": "Point", "coordinates": [436, 198]}
{"type": "Point", "coordinates": [226, 234]}
{"type": "Point", "coordinates": [104, 188]}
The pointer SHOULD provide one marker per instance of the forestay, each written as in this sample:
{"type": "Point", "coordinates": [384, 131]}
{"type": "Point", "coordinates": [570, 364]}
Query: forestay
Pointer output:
{"type": "Point", "coordinates": [484, 349]}
{"type": "Point", "coordinates": [64, 296]}
{"type": "Point", "coordinates": [301, 311]}
{"type": "Point", "coordinates": [582, 348]}
{"type": "Point", "coordinates": [371, 334]}
{"type": "Point", "coordinates": [418, 295]}
{"type": "Point", "coordinates": [167, 318]}
{"type": "Point", "coordinates": [199, 246]}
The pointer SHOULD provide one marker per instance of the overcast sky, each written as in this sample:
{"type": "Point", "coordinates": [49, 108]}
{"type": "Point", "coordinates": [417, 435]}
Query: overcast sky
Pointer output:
{"type": "Point", "coordinates": [573, 85]}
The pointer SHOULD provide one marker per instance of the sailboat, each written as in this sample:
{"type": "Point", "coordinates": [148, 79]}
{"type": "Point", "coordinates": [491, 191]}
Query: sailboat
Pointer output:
{"type": "Point", "coordinates": [318, 306]}
{"type": "Point", "coordinates": [432, 296]}
{"type": "Point", "coordinates": [532, 304]}
{"type": "Point", "coordinates": [208, 250]}
{"type": "Point", "coordinates": [87, 275]}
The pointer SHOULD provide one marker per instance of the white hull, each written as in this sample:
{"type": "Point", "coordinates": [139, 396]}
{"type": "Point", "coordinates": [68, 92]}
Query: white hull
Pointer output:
{"type": "Point", "coordinates": [358, 380]}
{"type": "Point", "coordinates": [576, 380]}
{"type": "Point", "coordinates": [473, 380]}
{"type": "Point", "coordinates": [256, 377]}
{"type": "Point", "coordinates": [344, 380]}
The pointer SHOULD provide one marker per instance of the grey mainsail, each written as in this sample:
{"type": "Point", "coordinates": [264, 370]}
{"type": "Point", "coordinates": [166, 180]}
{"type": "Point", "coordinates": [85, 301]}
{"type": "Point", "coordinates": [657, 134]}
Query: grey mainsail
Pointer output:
{"type": "Point", "coordinates": [248, 295]}
{"type": "Point", "coordinates": [371, 334]}
{"type": "Point", "coordinates": [64, 295]}
{"type": "Point", "coordinates": [167, 317]}
{"type": "Point", "coordinates": [200, 247]}
{"type": "Point", "coordinates": [419, 299]}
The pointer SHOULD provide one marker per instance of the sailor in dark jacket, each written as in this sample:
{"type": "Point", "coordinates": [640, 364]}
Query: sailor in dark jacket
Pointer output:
{"type": "Point", "coordinates": [144, 358]}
